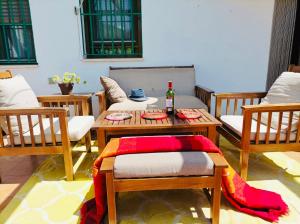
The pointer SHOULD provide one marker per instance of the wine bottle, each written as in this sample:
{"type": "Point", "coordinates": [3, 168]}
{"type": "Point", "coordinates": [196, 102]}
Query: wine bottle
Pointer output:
{"type": "Point", "coordinates": [170, 99]}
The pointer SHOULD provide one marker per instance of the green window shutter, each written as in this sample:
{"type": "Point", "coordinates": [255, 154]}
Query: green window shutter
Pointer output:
{"type": "Point", "coordinates": [16, 38]}
{"type": "Point", "coordinates": [112, 28]}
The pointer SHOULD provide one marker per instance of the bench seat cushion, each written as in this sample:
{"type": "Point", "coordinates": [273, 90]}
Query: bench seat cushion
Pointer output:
{"type": "Point", "coordinates": [181, 101]}
{"type": "Point", "coordinates": [165, 164]}
{"type": "Point", "coordinates": [78, 126]}
{"type": "Point", "coordinates": [235, 123]}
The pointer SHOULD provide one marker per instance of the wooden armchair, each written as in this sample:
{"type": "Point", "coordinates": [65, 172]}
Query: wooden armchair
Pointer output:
{"type": "Point", "coordinates": [51, 134]}
{"type": "Point", "coordinates": [251, 135]}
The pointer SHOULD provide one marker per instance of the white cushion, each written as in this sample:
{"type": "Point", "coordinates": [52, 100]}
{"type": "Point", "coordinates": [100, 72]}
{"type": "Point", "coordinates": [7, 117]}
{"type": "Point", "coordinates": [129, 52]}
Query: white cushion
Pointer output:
{"type": "Point", "coordinates": [181, 101]}
{"type": "Point", "coordinates": [16, 93]}
{"type": "Point", "coordinates": [235, 123]}
{"type": "Point", "coordinates": [286, 89]}
{"type": "Point", "coordinates": [165, 164]}
{"type": "Point", "coordinates": [78, 126]}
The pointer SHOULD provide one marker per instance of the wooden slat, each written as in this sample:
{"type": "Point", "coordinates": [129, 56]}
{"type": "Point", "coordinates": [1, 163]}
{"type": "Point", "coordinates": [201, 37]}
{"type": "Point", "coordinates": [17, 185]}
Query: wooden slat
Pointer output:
{"type": "Point", "coordinates": [251, 101]}
{"type": "Point", "coordinates": [258, 128]}
{"type": "Point", "coordinates": [43, 140]}
{"type": "Point", "coordinates": [278, 133]}
{"type": "Point", "coordinates": [1, 137]}
{"type": "Point", "coordinates": [235, 111]}
{"type": "Point", "coordinates": [75, 108]}
{"type": "Point", "coordinates": [298, 130]}
{"type": "Point", "coordinates": [68, 106]}
{"type": "Point", "coordinates": [227, 106]}
{"type": "Point", "coordinates": [268, 128]}
{"type": "Point", "coordinates": [38, 150]}
{"type": "Point", "coordinates": [288, 134]}
{"type": "Point", "coordinates": [123, 185]}
{"type": "Point", "coordinates": [11, 136]}
{"type": "Point", "coordinates": [275, 147]}
{"type": "Point", "coordinates": [244, 101]}
{"type": "Point", "coordinates": [31, 130]}
{"type": "Point", "coordinates": [20, 130]}
{"type": "Point", "coordinates": [52, 129]}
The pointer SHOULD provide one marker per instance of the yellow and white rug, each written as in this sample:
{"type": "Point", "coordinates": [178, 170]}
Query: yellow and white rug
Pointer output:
{"type": "Point", "coordinates": [48, 198]}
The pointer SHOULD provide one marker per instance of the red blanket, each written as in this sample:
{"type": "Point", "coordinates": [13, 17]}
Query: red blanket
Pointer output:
{"type": "Point", "coordinates": [264, 204]}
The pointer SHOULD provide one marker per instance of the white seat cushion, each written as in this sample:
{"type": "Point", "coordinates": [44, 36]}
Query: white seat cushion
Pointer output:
{"type": "Point", "coordinates": [16, 93]}
{"type": "Point", "coordinates": [165, 164]}
{"type": "Point", "coordinates": [286, 89]}
{"type": "Point", "coordinates": [181, 101]}
{"type": "Point", "coordinates": [78, 126]}
{"type": "Point", "coordinates": [235, 123]}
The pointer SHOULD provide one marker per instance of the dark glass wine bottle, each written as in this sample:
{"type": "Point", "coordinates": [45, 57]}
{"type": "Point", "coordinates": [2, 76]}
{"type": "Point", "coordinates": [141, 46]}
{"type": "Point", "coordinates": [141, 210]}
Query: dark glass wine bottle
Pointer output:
{"type": "Point", "coordinates": [170, 99]}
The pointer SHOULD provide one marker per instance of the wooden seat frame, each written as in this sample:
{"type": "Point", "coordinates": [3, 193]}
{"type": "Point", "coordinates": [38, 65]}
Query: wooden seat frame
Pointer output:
{"type": "Point", "coordinates": [244, 142]}
{"type": "Point", "coordinates": [52, 106]}
{"type": "Point", "coordinates": [114, 185]}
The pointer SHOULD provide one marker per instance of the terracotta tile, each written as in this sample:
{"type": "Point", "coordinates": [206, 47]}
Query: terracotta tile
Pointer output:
{"type": "Point", "coordinates": [14, 172]}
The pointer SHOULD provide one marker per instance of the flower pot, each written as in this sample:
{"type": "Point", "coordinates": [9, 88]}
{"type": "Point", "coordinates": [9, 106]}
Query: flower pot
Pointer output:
{"type": "Point", "coordinates": [66, 88]}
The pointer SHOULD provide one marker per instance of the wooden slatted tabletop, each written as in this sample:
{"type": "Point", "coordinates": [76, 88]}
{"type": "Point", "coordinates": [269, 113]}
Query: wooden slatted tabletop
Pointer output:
{"type": "Point", "coordinates": [140, 126]}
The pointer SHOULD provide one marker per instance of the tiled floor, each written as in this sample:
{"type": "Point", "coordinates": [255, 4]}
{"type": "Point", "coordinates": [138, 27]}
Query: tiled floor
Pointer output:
{"type": "Point", "coordinates": [14, 172]}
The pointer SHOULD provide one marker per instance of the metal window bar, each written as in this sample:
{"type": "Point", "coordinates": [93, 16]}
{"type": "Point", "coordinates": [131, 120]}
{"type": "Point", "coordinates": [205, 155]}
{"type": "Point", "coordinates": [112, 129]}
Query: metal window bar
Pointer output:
{"type": "Point", "coordinates": [112, 28]}
{"type": "Point", "coordinates": [16, 38]}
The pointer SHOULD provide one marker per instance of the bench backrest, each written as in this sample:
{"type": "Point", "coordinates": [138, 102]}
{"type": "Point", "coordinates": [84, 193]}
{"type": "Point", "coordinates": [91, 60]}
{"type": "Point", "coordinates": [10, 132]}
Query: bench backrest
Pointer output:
{"type": "Point", "coordinates": [154, 80]}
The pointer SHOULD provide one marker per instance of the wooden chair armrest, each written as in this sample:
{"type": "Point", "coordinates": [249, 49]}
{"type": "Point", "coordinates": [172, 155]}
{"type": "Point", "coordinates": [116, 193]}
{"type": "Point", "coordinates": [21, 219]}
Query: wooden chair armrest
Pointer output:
{"type": "Point", "coordinates": [284, 107]}
{"type": "Point", "coordinates": [204, 94]}
{"type": "Point", "coordinates": [102, 101]}
{"type": "Point", "coordinates": [107, 165]}
{"type": "Point", "coordinates": [62, 98]}
{"type": "Point", "coordinates": [33, 111]}
{"type": "Point", "coordinates": [218, 160]}
{"type": "Point", "coordinates": [204, 89]}
{"type": "Point", "coordinates": [6, 75]}
{"type": "Point", "coordinates": [240, 95]}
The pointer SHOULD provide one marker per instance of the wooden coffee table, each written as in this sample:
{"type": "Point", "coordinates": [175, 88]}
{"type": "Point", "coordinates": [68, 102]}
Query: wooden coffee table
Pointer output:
{"type": "Point", "coordinates": [139, 126]}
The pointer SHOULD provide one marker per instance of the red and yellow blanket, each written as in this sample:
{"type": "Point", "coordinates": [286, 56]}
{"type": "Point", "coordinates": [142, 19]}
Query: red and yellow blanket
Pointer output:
{"type": "Point", "coordinates": [264, 204]}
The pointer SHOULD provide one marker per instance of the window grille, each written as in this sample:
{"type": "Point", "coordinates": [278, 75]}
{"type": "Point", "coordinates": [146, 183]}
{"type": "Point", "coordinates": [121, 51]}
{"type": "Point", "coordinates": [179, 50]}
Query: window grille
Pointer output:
{"type": "Point", "coordinates": [111, 28]}
{"type": "Point", "coordinates": [16, 38]}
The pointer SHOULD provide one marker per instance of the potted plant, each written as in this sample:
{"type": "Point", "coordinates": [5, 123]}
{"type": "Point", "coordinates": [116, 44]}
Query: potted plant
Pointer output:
{"type": "Point", "coordinates": [66, 82]}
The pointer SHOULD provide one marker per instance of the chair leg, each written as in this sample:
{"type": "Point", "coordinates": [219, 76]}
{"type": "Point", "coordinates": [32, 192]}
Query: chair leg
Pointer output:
{"type": "Point", "coordinates": [68, 163]}
{"type": "Point", "coordinates": [111, 199]}
{"type": "Point", "coordinates": [216, 197]}
{"type": "Point", "coordinates": [244, 162]}
{"type": "Point", "coordinates": [88, 140]}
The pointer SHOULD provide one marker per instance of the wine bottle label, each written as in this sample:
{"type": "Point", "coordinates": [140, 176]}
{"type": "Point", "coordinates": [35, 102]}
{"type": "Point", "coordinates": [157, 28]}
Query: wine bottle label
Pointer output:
{"type": "Point", "coordinates": [169, 103]}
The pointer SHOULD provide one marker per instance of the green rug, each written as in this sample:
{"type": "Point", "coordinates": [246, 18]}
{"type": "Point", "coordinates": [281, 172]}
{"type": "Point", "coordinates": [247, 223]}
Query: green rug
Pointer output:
{"type": "Point", "coordinates": [48, 198]}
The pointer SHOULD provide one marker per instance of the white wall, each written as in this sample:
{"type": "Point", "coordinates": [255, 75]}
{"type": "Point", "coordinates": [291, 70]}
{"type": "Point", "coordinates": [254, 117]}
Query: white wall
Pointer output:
{"type": "Point", "coordinates": [227, 40]}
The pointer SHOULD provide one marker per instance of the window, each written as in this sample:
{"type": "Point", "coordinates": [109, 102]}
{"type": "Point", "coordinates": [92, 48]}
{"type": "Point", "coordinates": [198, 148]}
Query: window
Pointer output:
{"type": "Point", "coordinates": [16, 39]}
{"type": "Point", "coordinates": [112, 28]}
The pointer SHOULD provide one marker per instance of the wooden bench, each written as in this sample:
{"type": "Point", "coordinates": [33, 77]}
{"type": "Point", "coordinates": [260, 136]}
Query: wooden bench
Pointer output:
{"type": "Point", "coordinates": [115, 185]}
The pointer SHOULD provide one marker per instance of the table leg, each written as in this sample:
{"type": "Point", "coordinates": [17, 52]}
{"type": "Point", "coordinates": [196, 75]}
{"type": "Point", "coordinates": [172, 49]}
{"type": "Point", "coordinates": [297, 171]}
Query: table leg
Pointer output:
{"type": "Point", "coordinates": [101, 139]}
{"type": "Point", "coordinates": [212, 133]}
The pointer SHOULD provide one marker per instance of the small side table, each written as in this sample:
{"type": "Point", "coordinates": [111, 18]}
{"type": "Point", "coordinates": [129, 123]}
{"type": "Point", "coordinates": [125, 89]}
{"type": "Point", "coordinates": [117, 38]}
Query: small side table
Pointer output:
{"type": "Point", "coordinates": [89, 94]}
